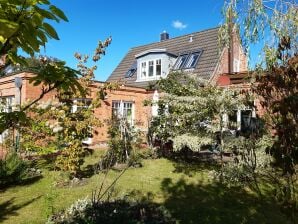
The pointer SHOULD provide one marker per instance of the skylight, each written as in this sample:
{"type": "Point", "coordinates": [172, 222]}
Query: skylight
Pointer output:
{"type": "Point", "coordinates": [131, 70]}
{"type": "Point", "coordinates": [188, 60]}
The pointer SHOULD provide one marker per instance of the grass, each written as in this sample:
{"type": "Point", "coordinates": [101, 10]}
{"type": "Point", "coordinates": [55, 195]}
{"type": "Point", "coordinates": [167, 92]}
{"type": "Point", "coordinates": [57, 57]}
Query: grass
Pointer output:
{"type": "Point", "coordinates": [187, 191]}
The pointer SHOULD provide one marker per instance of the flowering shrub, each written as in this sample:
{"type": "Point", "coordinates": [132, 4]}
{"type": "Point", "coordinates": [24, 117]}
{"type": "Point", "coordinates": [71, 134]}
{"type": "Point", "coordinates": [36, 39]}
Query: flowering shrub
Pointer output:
{"type": "Point", "coordinates": [86, 211]}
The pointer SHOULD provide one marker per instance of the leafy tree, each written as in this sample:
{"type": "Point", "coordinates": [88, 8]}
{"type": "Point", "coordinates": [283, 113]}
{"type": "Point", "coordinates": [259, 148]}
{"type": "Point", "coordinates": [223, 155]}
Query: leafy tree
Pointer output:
{"type": "Point", "coordinates": [264, 23]}
{"type": "Point", "coordinates": [25, 25]}
{"type": "Point", "coordinates": [192, 110]}
{"type": "Point", "coordinates": [274, 26]}
{"type": "Point", "coordinates": [75, 126]}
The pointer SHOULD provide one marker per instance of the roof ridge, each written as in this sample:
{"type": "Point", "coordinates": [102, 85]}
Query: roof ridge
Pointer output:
{"type": "Point", "coordinates": [201, 31]}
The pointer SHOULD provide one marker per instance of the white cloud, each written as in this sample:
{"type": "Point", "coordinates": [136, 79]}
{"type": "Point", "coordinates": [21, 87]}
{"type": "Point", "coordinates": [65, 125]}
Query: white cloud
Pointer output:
{"type": "Point", "coordinates": [179, 25]}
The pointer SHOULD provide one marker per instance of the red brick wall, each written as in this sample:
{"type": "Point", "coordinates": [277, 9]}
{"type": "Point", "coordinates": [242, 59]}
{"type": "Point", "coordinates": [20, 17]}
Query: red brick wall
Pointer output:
{"type": "Point", "coordinates": [223, 65]}
{"type": "Point", "coordinates": [142, 114]}
{"type": "Point", "coordinates": [136, 95]}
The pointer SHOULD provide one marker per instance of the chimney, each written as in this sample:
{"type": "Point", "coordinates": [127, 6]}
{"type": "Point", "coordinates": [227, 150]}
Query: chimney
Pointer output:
{"type": "Point", "coordinates": [164, 36]}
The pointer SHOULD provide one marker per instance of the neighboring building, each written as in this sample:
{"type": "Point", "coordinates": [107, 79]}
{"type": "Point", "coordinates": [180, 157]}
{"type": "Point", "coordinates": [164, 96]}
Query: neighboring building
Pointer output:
{"type": "Point", "coordinates": [197, 53]}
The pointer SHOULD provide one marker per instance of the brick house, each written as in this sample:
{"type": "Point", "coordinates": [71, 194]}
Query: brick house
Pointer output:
{"type": "Point", "coordinates": [196, 53]}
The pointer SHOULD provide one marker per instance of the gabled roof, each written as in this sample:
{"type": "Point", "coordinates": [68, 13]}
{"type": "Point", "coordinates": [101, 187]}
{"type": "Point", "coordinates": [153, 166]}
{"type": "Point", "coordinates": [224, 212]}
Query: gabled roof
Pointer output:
{"type": "Point", "coordinates": [206, 40]}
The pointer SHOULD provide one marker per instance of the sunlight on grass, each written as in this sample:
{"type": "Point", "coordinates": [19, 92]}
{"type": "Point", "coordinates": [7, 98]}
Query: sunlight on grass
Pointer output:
{"type": "Point", "coordinates": [187, 191]}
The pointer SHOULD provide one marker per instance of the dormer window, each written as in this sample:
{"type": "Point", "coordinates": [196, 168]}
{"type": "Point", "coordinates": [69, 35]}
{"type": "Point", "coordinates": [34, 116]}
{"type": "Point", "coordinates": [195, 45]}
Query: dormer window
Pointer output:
{"type": "Point", "coordinates": [153, 64]}
{"type": "Point", "coordinates": [151, 69]}
{"type": "Point", "coordinates": [187, 60]}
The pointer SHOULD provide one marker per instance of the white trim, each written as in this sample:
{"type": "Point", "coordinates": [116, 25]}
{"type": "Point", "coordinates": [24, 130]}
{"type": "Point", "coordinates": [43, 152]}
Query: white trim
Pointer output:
{"type": "Point", "coordinates": [154, 108]}
{"type": "Point", "coordinates": [141, 78]}
{"type": "Point", "coordinates": [120, 109]}
{"type": "Point", "coordinates": [163, 50]}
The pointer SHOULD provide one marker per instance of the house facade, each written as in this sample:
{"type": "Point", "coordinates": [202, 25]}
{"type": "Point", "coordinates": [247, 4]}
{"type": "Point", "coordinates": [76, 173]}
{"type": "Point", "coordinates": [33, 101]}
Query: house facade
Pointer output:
{"type": "Point", "coordinates": [196, 53]}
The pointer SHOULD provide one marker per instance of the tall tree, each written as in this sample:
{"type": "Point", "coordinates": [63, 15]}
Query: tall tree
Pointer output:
{"type": "Point", "coordinates": [264, 23]}
{"type": "Point", "coordinates": [191, 111]}
{"type": "Point", "coordinates": [25, 25]}
{"type": "Point", "coordinates": [274, 26]}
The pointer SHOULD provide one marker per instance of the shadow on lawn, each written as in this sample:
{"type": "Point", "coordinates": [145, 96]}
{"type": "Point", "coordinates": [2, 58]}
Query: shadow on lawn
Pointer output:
{"type": "Point", "coordinates": [23, 182]}
{"type": "Point", "coordinates": [216, 203]}
{"type": "Point", "coordinates": [191, 169]}
{"type": "Point", "coordinates": [9, 208]}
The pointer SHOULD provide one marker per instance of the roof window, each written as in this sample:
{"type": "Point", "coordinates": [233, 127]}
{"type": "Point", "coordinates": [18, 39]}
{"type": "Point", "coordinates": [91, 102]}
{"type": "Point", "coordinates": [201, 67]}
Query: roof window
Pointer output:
{"type": "Point", "coordinates": [188, 60]}
{"type": "Point", "coordinates": [132, 70]}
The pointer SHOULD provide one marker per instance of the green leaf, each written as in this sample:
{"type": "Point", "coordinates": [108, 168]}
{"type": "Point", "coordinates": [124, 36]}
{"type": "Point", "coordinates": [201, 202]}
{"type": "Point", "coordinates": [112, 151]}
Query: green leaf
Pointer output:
{"type": "Point", "coordinates": [42, 36]}
{"type": "Point", "coordinates": [46, 14]}
{"type": "Point", "coordinates": [50, 31]}
{"type": "Point", "coordinates": [7, 28]}
{"type": "Point", "coordinates": [58, 12]}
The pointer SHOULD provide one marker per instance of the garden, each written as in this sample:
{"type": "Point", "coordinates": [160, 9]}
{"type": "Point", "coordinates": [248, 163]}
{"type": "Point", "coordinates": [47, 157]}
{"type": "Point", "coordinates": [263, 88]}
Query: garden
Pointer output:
{"type": "Point", "coordinates": [185, 192]}
{"type": "Point", "coordinates": [190, 166]}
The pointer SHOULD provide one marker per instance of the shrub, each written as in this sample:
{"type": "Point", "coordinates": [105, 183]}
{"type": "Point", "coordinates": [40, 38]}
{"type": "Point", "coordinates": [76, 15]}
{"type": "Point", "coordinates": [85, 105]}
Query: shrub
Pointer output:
{"type": "Point", "coordinates": [84, 211]}
{"type": "Point", "coordinates": [12, 169]}
{"type": "Point", "coordinates": [123, 143]}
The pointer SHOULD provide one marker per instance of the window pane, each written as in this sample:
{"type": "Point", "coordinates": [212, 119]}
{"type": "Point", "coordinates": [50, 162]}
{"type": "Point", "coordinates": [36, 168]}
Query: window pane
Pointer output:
{"type": "Point", "coordinates": [158, 67]}
{"type": "Point", "coordinates": [151, 67]}
{"type": "Point", "coordinates": [127, 112]}
{"type": "Point", "coordinates": [115, 109]}
{"type": "Point", "coordinates": [6, 104]}
{"type": "Point", "coordinates": [143, 69]}
{"type": "Point", "coordinates": [83, 103]}
{"type": "Point", "coordinates": [192, 61]}
{"type": "Point", "coordinates": [180, 61]}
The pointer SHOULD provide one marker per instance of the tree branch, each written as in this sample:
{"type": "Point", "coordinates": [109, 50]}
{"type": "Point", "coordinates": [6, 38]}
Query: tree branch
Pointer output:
{"type": "Point", "coordinates": [44, 92]}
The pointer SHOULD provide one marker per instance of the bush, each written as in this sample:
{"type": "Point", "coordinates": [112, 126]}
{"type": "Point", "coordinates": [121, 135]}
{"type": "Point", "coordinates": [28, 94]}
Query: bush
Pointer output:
{"type": "Point", "coordinates": [12, 170]}
{"type": "Point", "coordinates": [118, 211]}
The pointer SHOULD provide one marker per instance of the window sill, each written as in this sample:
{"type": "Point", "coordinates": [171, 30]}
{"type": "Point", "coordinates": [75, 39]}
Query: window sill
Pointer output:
{"type": "Point", "coordinates": [149, 79]}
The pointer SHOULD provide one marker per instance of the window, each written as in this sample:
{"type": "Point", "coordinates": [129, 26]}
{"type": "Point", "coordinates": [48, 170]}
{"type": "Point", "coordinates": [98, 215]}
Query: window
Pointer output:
{"type": "Point", "coordinates": [144, 69]}
{"type": "Point", "coordinates": [80, 104]}
{"type": "Point", "coordinates": [158, 67]}
{"type": "Point", "coordinates": [6, 104]}
{"type": "Point", "coordinates": [192, 60]}
{"type": "Point", "coordinates": [131, 70]}
{"type": "Point", "coordinates": [187, 61]}
{"type": "Point", "coordinates": [151, 68]}
{"type": "Point", "coordinates": [180, 61]}
{"type": "Point", "coordinates": [116, 109]}
{"type": "Point", "coordinates": [236, 65]}
{"type": "Point", "coordinates": [123, 109]}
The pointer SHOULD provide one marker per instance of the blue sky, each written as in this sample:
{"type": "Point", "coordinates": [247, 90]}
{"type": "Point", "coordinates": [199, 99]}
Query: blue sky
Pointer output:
{"type": "Point", "coordinates": [130, 23]}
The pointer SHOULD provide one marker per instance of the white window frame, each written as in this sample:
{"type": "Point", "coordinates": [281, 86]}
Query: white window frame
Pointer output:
{"type": "Point", "coordinates": [121, 110]}
{"type": "Point", "coordinates": [236, 65]}
{"type": "Point", "coordinates": [8, 105]}
{"type": "Point", "coordinates": [145, 69]}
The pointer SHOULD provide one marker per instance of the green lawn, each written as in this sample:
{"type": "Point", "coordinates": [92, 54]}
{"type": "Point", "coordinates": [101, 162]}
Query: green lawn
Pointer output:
{"type": "Point", "coordinates": [187, 191]}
